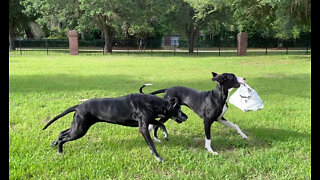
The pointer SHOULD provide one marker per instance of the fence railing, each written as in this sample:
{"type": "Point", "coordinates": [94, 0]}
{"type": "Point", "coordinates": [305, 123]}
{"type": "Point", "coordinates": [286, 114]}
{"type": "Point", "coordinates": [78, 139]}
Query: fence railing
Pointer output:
{"type": "Point", "coordinates": [218, 47]}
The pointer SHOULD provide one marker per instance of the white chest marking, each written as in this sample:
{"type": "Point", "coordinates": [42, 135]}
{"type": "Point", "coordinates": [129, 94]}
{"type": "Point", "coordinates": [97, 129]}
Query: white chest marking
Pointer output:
{"type": "Point", "coordinates": [224, 109]}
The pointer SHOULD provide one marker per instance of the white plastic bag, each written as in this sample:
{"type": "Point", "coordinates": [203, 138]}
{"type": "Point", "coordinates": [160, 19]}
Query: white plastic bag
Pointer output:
{"type": "Point", "coordinates": [246, 99]}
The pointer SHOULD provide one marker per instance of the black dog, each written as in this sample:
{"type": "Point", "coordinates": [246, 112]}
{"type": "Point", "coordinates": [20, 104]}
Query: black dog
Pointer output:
{"type": "Point", "coordinates": [209, 105]}
{"type": "Point", "coordinates": [135, 110]}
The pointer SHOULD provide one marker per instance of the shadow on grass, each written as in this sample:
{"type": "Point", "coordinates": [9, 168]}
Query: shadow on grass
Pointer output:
{"type": "Point", "coordinates": [298, 85]}
{"type": "Point", "coordinates": [257, 138]}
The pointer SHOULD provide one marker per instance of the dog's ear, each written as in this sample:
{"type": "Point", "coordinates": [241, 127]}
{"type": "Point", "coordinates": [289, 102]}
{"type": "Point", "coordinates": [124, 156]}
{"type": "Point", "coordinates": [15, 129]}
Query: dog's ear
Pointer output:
{"type": "Point", "coordinates": [218, 77]}
{"type": "Point", "coordinates": [173, 103]}
{"type": "Point", "coordinates": [214, 74]}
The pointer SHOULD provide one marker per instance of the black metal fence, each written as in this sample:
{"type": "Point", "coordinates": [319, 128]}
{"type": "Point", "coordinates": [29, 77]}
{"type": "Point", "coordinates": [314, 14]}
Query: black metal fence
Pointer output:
{"type": "Point", "coordinates": [217, 47]}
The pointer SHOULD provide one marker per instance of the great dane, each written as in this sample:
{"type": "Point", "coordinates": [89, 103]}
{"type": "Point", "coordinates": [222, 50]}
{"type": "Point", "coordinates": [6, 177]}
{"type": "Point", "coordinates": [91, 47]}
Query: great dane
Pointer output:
{"type": "Point", "coordinates": [135, 110]}
{"type": "Point", "coordinates": [209, 105]}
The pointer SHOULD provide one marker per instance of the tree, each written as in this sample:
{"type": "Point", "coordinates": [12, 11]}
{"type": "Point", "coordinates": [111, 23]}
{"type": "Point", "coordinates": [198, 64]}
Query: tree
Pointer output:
{"type": "Point", "coordinates": [188, 17]}
{"type": "Point", "coordinates": [293, 18]}
{"type": "Point", "coordinates": [127, 17]}
{"type": "Point", "coordinates": [273, 18]}
{"type": "Point", "coordinates": [17, 20]}
{"type": "Point", "coordinates": [57, 17]}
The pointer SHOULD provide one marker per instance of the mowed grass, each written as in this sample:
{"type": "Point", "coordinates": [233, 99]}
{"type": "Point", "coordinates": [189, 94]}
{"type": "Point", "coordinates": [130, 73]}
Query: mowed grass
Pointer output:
{"type": "Point", "coordinates": [279, 136]}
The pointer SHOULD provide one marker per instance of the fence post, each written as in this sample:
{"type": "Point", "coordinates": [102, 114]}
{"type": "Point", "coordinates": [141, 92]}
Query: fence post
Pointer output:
{"type": "Point", "coordinates": [266, 47]}
{"type": "Point", "coordinates": [128, 45]}
{"type": "Point", "coordinates": [307, 49]}
{"type": "Point", "coordinates": [20, 46]}
{"type": "Point", "coordinates": [219, 43]}
{"type": "Point", "coordinates": [152, 42]}
{"type": "Point", "coordinates": [47, 46]}
{"type": "Point", "coordinates": [174, 48]}
{"type": "Point", "coordinates": [197, 45]}
{"type": "Point", "coordinates": [103, 47]}
{"type": "Point", "coordinates": [73, 42]}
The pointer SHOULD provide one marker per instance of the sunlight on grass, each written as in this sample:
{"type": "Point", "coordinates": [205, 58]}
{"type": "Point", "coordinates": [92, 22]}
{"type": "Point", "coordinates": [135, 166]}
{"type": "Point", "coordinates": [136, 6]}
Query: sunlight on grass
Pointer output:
{"type": "Point", "coordinates": [279, 144]}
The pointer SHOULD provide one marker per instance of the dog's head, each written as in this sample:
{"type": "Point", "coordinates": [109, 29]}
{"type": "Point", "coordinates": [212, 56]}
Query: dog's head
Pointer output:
{"type": "Point", "coordinates": [174, 111]}
{"type": "Point", "coordinates": [228, 80]}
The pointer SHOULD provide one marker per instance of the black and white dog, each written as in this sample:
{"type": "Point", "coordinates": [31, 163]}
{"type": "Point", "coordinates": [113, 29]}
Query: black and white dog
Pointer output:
{"type": "Point", "coordinates": [209, 105]}
{"type": "Point", "coordinates": [135, 110]}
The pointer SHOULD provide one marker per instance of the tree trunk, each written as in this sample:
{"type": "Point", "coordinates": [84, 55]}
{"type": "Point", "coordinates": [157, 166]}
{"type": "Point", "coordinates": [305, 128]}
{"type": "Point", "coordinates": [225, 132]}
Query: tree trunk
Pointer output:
{"type": "Point", "coordinates": [11, 41]}
{"type": "Point", "coordinates": [191, 36]}
{"type": "Point", "coordinates": [108, 38]}
{"type": "Point", "coordinates": [82, 36]}
{"type": "Point", "coordinates": [191, 44]}
{"type": "Point", "coordinates": [28, 32]}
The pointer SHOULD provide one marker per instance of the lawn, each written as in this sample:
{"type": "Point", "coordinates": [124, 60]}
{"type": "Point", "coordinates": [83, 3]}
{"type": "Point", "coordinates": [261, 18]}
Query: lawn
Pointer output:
{"type": "Point", "coordinates": [279, 136]}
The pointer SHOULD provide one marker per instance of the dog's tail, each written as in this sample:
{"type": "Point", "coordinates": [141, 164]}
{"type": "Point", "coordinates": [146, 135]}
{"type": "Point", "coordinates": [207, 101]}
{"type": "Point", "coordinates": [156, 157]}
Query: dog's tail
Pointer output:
{"type": "Point", "coordinates": [149, 84]}
{"type": "Point", "coordinates": [158, 91]}
{"type": "Point", "coordinates": [69, 110]}
{"type": "Point", "coordinates": [153, 93]}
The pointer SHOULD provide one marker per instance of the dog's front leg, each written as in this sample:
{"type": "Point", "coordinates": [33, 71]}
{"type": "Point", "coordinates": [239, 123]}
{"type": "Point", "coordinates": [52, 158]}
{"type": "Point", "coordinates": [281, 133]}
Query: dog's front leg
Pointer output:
{"type": "Point", "coordinates": [234, 126]}
{"type": "Point", "coordinates": [163, 128]}
{"type": "Point", "coordinates": [143, 128]}
{"type": "Point", "coordinates": [155, 133]}
{"type": "Point", "coordinates": [207, 128]}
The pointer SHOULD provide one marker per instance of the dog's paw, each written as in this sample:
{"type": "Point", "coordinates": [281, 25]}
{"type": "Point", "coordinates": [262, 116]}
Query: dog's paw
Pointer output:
{"type": "Point", "coordinates": [54, 143]}
{"type": "Point", "coordinates": [244, 137]}
{"type": "Point", "coordinates": [159, 159]}
{"type": "Point", "coordinates": [157, 140]}
{"type": "Point", "coordinates": [213, 152]}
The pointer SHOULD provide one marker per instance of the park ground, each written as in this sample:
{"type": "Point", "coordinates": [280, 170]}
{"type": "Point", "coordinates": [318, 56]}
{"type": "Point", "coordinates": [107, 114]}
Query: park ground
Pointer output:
{"type": "Point", "coordinates": [279, 136]}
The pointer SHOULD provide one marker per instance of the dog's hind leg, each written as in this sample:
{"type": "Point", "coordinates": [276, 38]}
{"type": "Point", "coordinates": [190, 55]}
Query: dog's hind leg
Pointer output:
{"type": "Point", "coordinates": [78, 129]}
{"type": "Point", "coordinates": [61, 136]}
{"type": "Point", "coordinates": [230, 124]}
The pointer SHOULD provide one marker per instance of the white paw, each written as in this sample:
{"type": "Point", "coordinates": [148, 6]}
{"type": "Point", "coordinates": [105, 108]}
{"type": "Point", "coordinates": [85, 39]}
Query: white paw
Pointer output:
{"type": "Point", "coordinates": [244, 136]}
{"type": "Point", "coordinates": [157, 140]}
{"type": "Point", "coordinates": [159, 159]}
{"type": "Point", "coordinates": [212, 152]}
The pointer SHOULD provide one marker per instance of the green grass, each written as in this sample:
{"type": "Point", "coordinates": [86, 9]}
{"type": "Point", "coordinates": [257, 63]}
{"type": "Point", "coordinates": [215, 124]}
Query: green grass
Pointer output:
{"type": "Point", "coordinates": [279, 144]}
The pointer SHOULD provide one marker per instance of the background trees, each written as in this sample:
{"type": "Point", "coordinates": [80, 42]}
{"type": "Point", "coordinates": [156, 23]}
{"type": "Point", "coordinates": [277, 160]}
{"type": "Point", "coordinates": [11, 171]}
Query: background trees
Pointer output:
{"type": "Point", "coordinates": [151, 19]}
{"type": "Point", "coordinates": [18, 21]}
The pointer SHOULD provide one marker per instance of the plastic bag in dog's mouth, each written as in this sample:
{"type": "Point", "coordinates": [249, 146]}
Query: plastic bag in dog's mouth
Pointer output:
{"type": "Point", "coordinates": [246, 99]}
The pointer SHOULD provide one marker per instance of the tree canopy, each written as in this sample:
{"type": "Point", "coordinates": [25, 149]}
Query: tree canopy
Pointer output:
{"type": "Point", "coordinates": [145, 19]}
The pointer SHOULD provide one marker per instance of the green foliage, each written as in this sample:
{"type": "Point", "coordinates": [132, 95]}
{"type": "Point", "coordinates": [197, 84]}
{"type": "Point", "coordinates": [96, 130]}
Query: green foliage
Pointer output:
{"type": "Point", "coordinates": [150, 19]}
{"type": "Point", "coordinates": [273, 18]}
{"type": "Point", "coordinates": [18, 21]}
